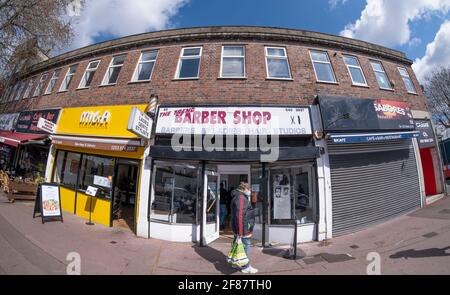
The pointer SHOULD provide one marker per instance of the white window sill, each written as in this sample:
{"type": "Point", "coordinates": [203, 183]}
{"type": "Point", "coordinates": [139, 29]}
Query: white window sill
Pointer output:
{"type": "Point", "coordinates": [361, 85]}
{"type": "Point", "coordinates": [279, 79]}
{"type": "Point", "coordinates": [82, 88]}
{"type": "Point", "coordinates": [62, 91]}
{"type": "Point", "coordinates": [327, 82]}
{"type": "Point", "coordinates": [139, 81]}
{"type": "Point", "coordinates": [106, 85]}
{"type": "Point", "coordinates": [233, 78]}
{"type": "Point", "coordinates": [387, 89]}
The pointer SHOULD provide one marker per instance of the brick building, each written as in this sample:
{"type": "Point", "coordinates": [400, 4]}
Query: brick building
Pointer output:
{"type": "Point", "coordinates": [271, 73]}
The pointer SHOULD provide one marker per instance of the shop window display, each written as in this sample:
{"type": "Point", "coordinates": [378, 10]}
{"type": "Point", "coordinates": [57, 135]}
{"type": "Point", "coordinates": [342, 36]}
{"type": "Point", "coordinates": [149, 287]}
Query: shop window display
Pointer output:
{"type": "Point", "coordinates": [292, 194]}
{"type": "Point", "coordinates": [66, 168]}
{"type": "Point", "coordinates": [97, 171]}
{"type": "Point", "coordinates": [175, 193]}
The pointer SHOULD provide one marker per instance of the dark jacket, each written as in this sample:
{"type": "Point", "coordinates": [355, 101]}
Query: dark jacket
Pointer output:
{"type": "Point", "coordinates": [242, 214]}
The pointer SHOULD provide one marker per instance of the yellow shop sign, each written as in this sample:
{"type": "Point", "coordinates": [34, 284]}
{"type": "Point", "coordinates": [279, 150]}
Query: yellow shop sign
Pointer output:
{"type": "Point", "coordinates": [110, 121]}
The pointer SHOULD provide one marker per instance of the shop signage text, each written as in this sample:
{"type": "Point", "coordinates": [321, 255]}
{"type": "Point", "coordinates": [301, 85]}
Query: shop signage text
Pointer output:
{"type": "Point", "coordinates": [426, 134]}
{"type": "Point", "coordinates": [346, 139]}
{"type": "Point", "coordinates": [99, 121]}
{"type": "Point", "coordinates": [27, 121]}
{"type": "Point", "coordinates": [357, 114]}
{"type": "Point", "coordinates": [234, 121]}
{"type": "Point", "coordinates": [140, 124]}
{"type": "Point", "coordinates": [92, 118]}
{"type": "Point", "coordinates": [46, 125]}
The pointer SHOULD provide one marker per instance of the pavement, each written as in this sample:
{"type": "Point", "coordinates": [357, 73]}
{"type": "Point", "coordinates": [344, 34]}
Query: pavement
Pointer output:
{"type": "Point", "coordinates": [418, 243]}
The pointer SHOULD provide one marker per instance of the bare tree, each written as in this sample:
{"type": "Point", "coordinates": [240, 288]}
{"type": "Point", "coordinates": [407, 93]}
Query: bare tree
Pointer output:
{"type": "Point", "coordinates": [437, 91]}
{"type": "Point", "coordinates": [28, 24]}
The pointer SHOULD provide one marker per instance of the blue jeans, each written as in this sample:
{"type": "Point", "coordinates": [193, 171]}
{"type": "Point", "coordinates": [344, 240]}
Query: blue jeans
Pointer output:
{"type": "Point", "coordinates": [223, 214]}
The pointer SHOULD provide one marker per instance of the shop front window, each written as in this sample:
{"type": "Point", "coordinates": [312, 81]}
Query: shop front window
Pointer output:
{"type": "Point", "coordinates": [257, 190]}
{"type": "Point", "coordinates": [97, 171]}
{"type": "Point", "coordinates": [292, 194]}
{"type": "Point", "coordinates": [176, 188]}
{"type": "Point", "coordinates": [66, 168]}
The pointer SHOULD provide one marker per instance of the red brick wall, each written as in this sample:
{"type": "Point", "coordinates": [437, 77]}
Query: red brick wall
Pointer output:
{"type": "Point", "coordinates": [209, 89]}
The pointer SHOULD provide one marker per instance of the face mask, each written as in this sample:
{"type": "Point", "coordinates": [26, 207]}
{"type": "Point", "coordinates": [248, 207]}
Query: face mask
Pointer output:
{"type": "Point", "coordinates": [247, 193]}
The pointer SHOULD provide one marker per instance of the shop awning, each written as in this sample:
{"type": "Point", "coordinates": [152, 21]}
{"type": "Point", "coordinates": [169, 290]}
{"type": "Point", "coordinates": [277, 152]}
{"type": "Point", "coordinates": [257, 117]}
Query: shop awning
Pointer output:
{"type": "Point", "coordinates": [98, 143]}
{"type": "Point", "coordinates": [14, 138]}
{"type": "Point", "coordinates": [284, 154]}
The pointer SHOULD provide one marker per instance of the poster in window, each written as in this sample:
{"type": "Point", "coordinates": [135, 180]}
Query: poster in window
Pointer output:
{"type": "Point", "coordinates": [282, 202]}
{"type": "Point", "coordinates": [51, 206]}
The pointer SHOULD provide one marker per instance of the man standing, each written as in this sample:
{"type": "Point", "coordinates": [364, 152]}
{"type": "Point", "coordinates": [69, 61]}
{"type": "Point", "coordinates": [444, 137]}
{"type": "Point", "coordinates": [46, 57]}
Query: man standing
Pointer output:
{"type": "Point", "coordinates": [243, 219]}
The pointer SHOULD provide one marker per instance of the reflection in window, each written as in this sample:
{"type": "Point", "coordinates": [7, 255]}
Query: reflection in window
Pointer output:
{"type": "Point", "coordinates": [407, 80]}
{"type": "Point", "coordinates": [112, 74]}
{"type": "Point", "coordinates": [322, 67]}
{"type": "Point", "coordinates": [98, 172]}
{"type": "Point", "coordinates": [189, 63]}
{"type": "Point", "coordinates": [175, 194]}
{"type": "Point", "coordinates": [355, 70]}
{"type": "Point", "coordinates": [380, 73]}
{"type": "Point", "coordinates": [277, 63]}
{"type": "Point", "coordinates": [233, 62]}
{"type": "Point", "coordinates": [66, 169]}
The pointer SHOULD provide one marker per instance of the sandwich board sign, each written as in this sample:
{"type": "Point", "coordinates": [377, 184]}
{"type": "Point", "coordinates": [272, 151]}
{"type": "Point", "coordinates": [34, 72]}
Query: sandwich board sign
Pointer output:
{"type": "Point", "coordinates": [48, 202]}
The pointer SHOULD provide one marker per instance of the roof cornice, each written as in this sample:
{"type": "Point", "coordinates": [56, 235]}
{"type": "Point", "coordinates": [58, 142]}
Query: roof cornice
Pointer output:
{"type": "Point", "coordinates": [221, 33]}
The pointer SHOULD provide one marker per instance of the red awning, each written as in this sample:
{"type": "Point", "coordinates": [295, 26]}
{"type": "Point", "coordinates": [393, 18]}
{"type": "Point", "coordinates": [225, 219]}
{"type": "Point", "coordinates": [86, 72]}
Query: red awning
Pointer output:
{"type": "Point", "coordinates": [14, 138]}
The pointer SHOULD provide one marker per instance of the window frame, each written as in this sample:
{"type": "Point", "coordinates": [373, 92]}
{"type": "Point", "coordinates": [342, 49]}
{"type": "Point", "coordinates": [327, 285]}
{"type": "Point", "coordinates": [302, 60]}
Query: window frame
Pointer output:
{"type": "Point", "coordinates": [322, 62]}
{"type": "Point", "coordinates": [221, 76]}
{"type": "Point", "coordinates": [88, 70]}
{"type": "Point", "coordinates": [266, 55]}
{"type": "Point", "coordinates": [65, 77]}
{"type": "Point", "coordinates": [40, 85]}
{"type": "Point", "coordinates": [113, 66]}
{"type": "Point", "coordinates": [139, 62]}
{"type": "Point", "coordinates": [181, 58]}
{"type": "Point", "coordinates": [47, 90]}
{"type": "Point", "coordinates": [12, 94]}
{"type": "Point", "coordinates": [384, 72]}
{"type": "Point", "coordinates": [365, 84]}
{"type": "Point", "coordinates": [30, 86]}
{"type": "Point", "coordinates": [407, 77]}
{"type": "Point", "coordinates": [20, 90]}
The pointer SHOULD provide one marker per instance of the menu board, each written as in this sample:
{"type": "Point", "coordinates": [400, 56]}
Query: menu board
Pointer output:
{"type": "Point", "coordinates": [48, 202]}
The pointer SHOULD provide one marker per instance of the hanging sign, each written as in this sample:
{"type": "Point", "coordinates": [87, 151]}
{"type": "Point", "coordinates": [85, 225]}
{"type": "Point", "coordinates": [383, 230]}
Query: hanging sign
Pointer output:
{"type": "Point", "coordinates": [140, 123]}
{"type": "Point", "coordinates": [426, 134]}
{"type": "Point", "coordinates": [234, 120]}
{"type": "Point", "coordinates": [46, 125]}
{"type": "Point", "coordinates": [48, 202]}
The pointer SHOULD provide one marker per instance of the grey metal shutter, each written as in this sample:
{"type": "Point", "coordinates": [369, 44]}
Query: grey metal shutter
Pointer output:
{"type": "Point", "coordinates": [372, 183]}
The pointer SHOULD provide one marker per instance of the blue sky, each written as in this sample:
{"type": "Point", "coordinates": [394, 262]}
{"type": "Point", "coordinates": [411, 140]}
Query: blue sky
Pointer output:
{"type": "Point", "coordinates": [411, 26]}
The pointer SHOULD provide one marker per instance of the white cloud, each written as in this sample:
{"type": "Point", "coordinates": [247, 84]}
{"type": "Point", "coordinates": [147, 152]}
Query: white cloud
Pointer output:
{"type": "Point", "coordinates": [387, 22]}
{"type": "Point", "coordinates": [334, 3]}
{"type": "Point", "coordinates": [436, 55]}
{"type": "Point", "coordinates": [122, 17]}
